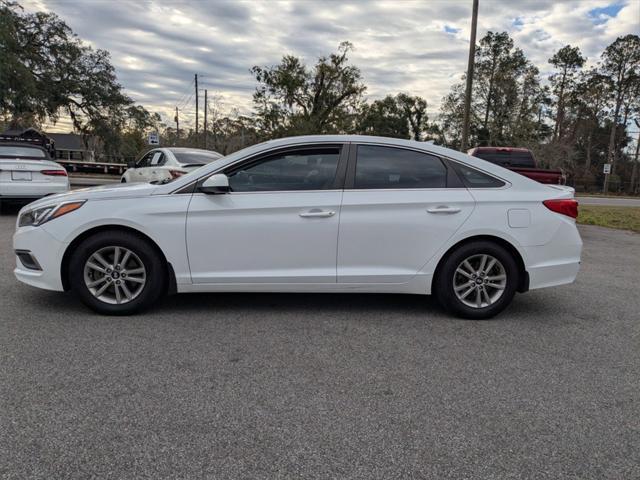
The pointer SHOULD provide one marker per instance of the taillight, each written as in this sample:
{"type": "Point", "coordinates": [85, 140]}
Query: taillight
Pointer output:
{"type": "Point", "coordinates": [175, 173]}
{"type": "Point", "coordinates": [54, 173]}
{"type": "Point", "coordinates": [568, 206]}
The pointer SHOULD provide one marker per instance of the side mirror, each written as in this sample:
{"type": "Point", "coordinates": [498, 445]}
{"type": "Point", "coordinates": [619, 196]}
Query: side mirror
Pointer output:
{"type": "Point", "coordinates": [218, 183]}
{"type": "Point", "coordinates": [131, 164]}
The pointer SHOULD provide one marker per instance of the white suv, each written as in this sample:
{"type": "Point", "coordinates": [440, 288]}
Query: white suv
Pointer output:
{"type": "Point", "coordinates": [163, 164]}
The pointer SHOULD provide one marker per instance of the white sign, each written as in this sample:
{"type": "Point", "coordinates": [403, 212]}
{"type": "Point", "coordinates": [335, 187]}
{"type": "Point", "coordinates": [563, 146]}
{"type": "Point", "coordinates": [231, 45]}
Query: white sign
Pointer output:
{"type": "Point", "coordinates": [607, 169]}
{"type": "Point", "coordinates": [154, 139]}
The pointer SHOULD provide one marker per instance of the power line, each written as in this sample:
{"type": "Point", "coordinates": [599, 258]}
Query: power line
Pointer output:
{"type": "Point", "coordinates": [184, 95]}
{"type": "Point", "coordinates": [186, 102]}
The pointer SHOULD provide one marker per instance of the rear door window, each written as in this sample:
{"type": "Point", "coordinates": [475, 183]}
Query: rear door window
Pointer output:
{"type": "Point", "coordinates": [379, 167]}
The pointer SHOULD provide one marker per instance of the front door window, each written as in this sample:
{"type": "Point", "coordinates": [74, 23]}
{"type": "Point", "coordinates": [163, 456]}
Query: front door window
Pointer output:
{"type": "Point", "coordinates": [309, 169]}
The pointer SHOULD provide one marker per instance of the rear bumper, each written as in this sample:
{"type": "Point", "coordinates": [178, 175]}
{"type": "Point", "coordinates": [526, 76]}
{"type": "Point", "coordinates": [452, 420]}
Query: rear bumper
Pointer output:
{"type": "Point", "coordinates": [31, 191]}
{"type": "Point", "coordinates": [47, 252]}
{"type": "Point", "coordinates": [557, 262]}
{"type": "Point", "coordinates": [552, 275]}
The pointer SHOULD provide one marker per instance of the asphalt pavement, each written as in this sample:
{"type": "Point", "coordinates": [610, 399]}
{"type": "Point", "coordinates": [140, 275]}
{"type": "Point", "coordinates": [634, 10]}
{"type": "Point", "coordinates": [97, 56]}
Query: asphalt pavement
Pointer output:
{"type": "Point", "coordinates": [269, 386]}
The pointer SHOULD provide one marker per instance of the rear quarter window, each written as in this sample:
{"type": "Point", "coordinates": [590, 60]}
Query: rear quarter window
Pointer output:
{"type": "Point", "coordinates": [473, 178]}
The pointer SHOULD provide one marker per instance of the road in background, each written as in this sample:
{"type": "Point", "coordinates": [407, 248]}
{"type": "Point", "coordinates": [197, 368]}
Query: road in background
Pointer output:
{"type": "Point", "coordinates": [609, 201]}
{"type": "Point", "coordinates": [87, 180]}
{"type": "Point", "coordinates": [326, 386]}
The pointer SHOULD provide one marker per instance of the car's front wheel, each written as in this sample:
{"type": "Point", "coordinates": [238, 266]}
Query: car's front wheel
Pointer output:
{"type": "Point", "coordinates": [117, 273]}
{"type": "Point", "coordinates": [477, 280]}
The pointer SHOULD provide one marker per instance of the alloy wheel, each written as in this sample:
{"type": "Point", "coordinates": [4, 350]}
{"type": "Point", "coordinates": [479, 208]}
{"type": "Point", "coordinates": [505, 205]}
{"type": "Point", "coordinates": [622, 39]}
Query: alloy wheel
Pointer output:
{"type": "Point", "coordinates": [115, 275]}
{"type": "Point", "coordinates": [479, 281]}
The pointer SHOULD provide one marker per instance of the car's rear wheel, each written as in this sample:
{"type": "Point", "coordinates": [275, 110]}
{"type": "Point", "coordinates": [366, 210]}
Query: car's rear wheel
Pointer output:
{"type": "Point", "coordinates": [477, 280]}
{"type": "Point", "coordinates": [117, 273]}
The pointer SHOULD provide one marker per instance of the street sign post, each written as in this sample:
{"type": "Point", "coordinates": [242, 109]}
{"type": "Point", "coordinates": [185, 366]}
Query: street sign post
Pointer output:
{"type": "Point", "coordinates": [606, 169]}
{"type": "Point", "coordinates": [154, 138]}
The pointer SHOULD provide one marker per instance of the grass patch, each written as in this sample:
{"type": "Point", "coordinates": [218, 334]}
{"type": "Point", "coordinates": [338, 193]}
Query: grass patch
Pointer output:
{"type": "Point", "coordinates": [624, 218]}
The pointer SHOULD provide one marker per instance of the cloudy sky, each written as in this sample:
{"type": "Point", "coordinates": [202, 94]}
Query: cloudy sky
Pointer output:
{"type": "Point", "coordinates": [418, 47]}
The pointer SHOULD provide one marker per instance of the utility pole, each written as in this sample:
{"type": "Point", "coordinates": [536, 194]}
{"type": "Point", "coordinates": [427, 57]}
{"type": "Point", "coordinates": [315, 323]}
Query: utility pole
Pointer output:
{"type": "Point", "coordinates": [206, 107]}
{"type": "Point", "coordinates": [470, 64]}
{"type": "Point", "coordinates": [196, 80]}
{"type": "Point", "coordinates": [177, 125]}
{"type": "Point", "coordinates": [634, 171]}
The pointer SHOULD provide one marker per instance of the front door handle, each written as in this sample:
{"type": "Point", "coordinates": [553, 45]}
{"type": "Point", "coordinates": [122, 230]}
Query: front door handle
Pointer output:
{"type": "Point", "coordinates": [443, 209]}
{"type": "Point", "coordinates": [316, 213]}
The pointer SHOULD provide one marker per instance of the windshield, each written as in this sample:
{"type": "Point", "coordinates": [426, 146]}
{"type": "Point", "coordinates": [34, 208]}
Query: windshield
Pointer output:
{"type": "Point", "coordinates": [506, 158]}
{"type": "Point", "coordinates": [196, 158]}
{"type": "Point", "coordinates": [17, 151]}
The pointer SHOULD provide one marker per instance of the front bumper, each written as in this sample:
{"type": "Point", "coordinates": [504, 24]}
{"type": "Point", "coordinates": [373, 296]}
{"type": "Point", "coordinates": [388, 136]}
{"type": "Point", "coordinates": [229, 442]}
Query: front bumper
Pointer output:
{"type": "Point", "coordinates": [46, 250]}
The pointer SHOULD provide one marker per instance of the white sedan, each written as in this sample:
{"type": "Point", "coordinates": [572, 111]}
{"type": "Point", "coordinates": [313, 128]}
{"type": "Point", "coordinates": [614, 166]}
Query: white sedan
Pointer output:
{"type": "Point", "coordinates": [164, 164]}
{"type": "Point", "coordinates": [28, 173]}
{"type": "Point", "coordinates": [309, 214]}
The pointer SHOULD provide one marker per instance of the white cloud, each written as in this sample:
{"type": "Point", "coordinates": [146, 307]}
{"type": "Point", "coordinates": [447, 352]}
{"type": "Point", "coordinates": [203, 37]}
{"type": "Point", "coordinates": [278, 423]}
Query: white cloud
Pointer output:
{"type": "Point", "coordinates": [411, 45]}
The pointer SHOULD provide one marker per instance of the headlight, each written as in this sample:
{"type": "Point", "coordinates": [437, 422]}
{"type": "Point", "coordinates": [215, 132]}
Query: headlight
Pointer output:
{"type": "Point", "coordinates": [38, 216]}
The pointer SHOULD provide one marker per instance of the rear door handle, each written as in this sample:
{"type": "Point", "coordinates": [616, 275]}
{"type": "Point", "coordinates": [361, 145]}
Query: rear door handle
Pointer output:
{"type": "Point", "coordinates": [443, 209]}
{"type": "Point", "coordinates": [316, 213]}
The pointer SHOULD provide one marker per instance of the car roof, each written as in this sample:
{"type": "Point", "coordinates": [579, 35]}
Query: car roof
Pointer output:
{"type": "Point", "coordinates": [501, 149]}
{"type": "Point", "coordinates": [187, 149]}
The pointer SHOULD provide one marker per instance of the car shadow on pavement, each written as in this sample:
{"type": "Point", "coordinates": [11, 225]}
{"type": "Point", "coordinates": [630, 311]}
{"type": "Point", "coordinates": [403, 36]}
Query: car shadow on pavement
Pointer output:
{"type": "Point", "coordinates": [12, 208]}
{"type": "Point", "coordinates": [323, 306]}
{"type": "Point", "coordinates": [255, 304]}
{"type": "Point", "coordinates": [298, 301]}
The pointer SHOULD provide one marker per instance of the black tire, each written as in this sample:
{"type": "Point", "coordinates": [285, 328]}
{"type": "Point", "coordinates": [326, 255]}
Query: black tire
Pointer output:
{"type": "Point", "coordinates": [444, 282]}
{"type": "Point", "coordinates": [154, 264]}
{"type": "Point", "coordinates": [123, 180]}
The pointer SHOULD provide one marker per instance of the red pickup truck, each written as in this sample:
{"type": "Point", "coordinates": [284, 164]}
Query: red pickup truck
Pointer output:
{"type": "Point", "coordinates": [519, 160]}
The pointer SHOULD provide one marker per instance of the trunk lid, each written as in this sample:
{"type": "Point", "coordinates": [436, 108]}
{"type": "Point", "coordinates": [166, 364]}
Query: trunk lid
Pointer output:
{"type": "Point", "coordinates": [562, 191]}
{"type": "Point", "coordinates": [25, 170]}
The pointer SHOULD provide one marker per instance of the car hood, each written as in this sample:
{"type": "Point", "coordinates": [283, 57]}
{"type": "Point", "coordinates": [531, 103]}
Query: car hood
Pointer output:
{"type": "Point", "coordinates": [117, 190]}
